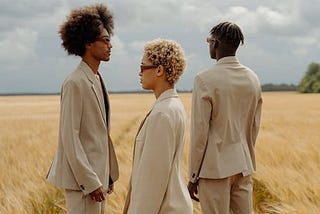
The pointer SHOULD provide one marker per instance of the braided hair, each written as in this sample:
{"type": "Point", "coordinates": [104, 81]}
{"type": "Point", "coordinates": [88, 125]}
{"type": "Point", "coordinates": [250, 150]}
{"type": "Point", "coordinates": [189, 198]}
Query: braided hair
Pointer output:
{"type": "Point", "coordinates": [228, 32]}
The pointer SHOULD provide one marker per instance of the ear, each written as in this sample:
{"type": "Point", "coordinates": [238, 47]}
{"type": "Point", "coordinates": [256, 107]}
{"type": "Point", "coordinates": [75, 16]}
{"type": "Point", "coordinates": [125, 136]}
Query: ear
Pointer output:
{"type": "Point", "coordinates": [216, 44]}
{"type": "Point", "coordinates": [160, 71]}
{"type": "Point", "coordinates": [88, 46]}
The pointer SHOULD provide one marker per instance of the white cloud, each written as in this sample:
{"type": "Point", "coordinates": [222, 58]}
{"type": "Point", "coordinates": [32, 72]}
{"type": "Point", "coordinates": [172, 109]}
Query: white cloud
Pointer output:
{"type": "Point", "coordinates": [245, 18]}
{"type": "Point", "coordinates": [137, 45]}
{"type": "Point", "coordinates": [306, 41]}
{"type": "Point", "coordinates": [18, 45]}
{"type": "Point", "coordinates": [280, 36]}
{"type": "Point", "coordinates": [118, 47]}
{"type": "Point", "coordinates": [271, 17]}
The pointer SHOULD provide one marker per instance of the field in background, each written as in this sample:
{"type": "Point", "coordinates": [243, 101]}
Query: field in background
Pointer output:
{"type": "Point", "coordinates": [288, 152]}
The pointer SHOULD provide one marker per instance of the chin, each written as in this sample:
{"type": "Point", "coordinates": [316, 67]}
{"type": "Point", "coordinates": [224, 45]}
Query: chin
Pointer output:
{"type": "Point", "coordinates": [144, 87]}
{"type": "Point", "coordinates": [106, 59]}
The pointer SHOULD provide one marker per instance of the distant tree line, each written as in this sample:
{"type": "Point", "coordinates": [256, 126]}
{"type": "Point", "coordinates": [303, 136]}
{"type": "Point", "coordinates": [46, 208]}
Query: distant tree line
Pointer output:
{"type": "Point", "coordinates": [310, 83]}
{"type": "Point", "coordinates": [278, 87]}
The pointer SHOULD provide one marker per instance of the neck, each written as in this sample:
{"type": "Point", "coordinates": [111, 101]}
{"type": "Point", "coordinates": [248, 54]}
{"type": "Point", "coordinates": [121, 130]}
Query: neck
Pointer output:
{"type": "Point", "coordinates": [92, 63]}
{"type": "Point", "coordinates": [219, 56]}
{"type": "Point", "coordinates": [158, 91]}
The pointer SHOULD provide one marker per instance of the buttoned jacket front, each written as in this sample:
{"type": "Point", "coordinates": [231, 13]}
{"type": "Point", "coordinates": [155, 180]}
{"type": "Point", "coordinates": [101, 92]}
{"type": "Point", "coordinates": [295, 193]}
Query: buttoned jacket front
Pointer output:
{"type": "Point", "coordinates": [225, 119]}
{"type": "Point", "coordinates": [85, 157]}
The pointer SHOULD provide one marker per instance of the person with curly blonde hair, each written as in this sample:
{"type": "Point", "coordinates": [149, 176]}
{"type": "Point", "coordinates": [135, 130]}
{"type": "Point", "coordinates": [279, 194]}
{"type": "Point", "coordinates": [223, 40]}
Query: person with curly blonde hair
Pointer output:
{"type": "Point", "coordinates": [156, 184]}
{"type": "Point", "coordinates": [85, 164]}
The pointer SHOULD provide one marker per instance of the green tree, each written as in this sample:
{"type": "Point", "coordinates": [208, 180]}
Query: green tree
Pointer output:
{"type": "Point", "coordinates": [310, 83]}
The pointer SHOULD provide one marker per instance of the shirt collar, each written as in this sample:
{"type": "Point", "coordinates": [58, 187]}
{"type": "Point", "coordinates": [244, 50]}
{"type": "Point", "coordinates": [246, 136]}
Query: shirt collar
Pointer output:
{"type": "Point", "coordinates": [228, 60]}
{"type": "Point", "coordinates": [167, 94]}
{"type": "Point", "coordinates": [88, 71]}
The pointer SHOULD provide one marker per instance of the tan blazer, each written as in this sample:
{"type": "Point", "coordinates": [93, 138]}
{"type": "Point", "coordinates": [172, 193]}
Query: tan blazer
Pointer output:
{"type": "Point", "coordinates": [225, 119]}
{"type": "Point", "coordinates": [85, 157]}
{"type": "Point", "coordinates": [157, 185]}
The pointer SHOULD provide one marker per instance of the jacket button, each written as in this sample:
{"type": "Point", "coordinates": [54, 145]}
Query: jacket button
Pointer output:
{"type": "Point", "coordinates": [193, 175]}
{"type": "Point", "coordinates": [82, 187]}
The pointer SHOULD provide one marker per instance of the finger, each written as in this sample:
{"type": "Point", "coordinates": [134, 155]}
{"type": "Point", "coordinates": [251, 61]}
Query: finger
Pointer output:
{"type": "Point", "coordinates": [92, 197]}
{"type": "Point", "coordinates": [193, 197]}
{"type": "Point", "coordinates": [95, 197]}
{"type": "Point", "coordinates": [192, 191]}
{"type": "Point", "coordinates": [110, 189]}
{"type": "Point", "coordinates": [98, 199]}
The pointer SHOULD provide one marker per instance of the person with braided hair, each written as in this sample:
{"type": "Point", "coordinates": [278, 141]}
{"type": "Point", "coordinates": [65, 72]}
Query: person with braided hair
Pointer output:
{"type": "Point", "coordinates": [85, 164]}
{"type": "Point", "coordinates": [225, 120]}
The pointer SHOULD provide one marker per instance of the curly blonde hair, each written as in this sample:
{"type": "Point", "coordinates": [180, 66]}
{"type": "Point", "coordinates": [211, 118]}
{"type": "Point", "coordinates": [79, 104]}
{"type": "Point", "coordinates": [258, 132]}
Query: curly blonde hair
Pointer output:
{"type": "Point", "coordinates": [169, 54]}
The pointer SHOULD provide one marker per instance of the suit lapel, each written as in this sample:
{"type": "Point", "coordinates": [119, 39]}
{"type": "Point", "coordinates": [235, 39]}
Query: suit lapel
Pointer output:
{"type": "Point", "coordinates": [95, 87]}
{"type": "Point", "coordinates": [99, 97]}
{"type": "Point", "coordinates": [106, 100]}
{"type": "Point", "coordinates": [127, 202]}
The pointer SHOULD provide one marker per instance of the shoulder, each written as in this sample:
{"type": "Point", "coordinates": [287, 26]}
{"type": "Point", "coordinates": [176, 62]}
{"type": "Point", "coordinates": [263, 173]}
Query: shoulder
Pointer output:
{"type": "Point", "coordinates": [170, 109]}
{"type": "Point", "coordinates": [209, 75]}
{"type": "Point", "coordinates": [75, 82]}
{"type": "Point", "coordinates": [71, 80]}
{"type": "Point", "coordinates": [75, 77]}
{"type": "Point", "coordinates": [253, 76]}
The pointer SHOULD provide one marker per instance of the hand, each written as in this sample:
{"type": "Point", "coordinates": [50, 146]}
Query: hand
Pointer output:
{"type": "Point", "coordinates": [97, 195]}
{"type": "Point", "coordinates": [110, 189]}
{"type": "Point", "coordinates": [193, 189]}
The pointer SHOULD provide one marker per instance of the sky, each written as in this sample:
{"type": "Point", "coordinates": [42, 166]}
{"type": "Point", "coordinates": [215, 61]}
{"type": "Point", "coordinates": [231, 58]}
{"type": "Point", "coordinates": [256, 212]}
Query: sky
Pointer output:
{"type": "Point", "coordinates": [282, 37]}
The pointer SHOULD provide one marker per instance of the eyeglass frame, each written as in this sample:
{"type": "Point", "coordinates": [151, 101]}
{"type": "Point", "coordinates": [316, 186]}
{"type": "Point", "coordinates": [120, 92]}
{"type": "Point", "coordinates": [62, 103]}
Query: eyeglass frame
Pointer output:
{"type": "Point", "coordinates": [146, 67]}
{"type": "Point", "coordinates": [104, 39]}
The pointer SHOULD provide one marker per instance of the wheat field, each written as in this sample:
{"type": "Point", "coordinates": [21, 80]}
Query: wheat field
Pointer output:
{"type": "Point", "coordinates": [288, 152]}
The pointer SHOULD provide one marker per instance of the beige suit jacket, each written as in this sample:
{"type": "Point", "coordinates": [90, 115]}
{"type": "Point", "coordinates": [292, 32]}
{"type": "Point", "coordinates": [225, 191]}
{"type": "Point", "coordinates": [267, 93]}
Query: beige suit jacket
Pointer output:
{"type": "Point", "coordinates": [85, 157]}
{"type": "Point", "coordinates": [157, 185]}
{"type": "Point", "coordinates": [225, 119]}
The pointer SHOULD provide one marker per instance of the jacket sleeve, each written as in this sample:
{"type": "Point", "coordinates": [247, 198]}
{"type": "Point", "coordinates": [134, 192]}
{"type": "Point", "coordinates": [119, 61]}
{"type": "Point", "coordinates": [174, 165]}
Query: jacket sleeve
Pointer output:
{"type": "Point", "coordinates": [71, 111]}
{"type": "Point", "coordinates": [200, 118]}
{"type": "Point", "coordinates": [154, 166]}
{"type": "Point", "coordinates": [256, 122]}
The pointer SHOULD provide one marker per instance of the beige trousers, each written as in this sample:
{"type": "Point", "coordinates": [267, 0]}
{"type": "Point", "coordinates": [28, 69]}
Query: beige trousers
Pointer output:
{"type": "Point", "coordinates": [78, 203]}
{"type": "Point", "coordinates": [231, 195]}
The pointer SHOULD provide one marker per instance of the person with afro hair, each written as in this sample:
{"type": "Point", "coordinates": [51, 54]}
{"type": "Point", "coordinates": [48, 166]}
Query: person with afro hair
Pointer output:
{"type": "Point", "coordinates": [85, 164]}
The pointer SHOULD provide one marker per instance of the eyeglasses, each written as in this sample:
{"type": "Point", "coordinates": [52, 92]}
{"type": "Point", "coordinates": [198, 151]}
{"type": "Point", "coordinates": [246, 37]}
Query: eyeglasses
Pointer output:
{"type": "Point", "coordinates": [211, 40]}
{"type": "Point", "coordinates": [104, 39]}
{"type": "Point", "coordinates": [145, 67]}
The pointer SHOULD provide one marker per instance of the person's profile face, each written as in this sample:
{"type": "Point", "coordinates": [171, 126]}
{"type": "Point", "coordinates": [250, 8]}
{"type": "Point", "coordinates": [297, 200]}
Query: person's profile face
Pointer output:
{"type": "Point", "coordinates": [101, 48]}
{"type": "Point", "coordinates": [147, 73]}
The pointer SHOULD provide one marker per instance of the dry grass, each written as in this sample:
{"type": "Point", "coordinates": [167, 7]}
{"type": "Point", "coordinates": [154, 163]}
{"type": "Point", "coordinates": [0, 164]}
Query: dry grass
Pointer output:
{"type": "Point", "coordinates": [288, 151]}
{"type": "Point", "coordinates": [287, 180]}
